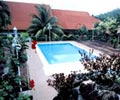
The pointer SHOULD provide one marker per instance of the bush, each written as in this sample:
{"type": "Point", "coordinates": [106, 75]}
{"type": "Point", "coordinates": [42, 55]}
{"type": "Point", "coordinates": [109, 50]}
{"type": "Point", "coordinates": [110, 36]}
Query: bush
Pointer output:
{"type": "Point", "coordinates": [100, 83]}
{"type": "Point", "coordinates": [12, 57]}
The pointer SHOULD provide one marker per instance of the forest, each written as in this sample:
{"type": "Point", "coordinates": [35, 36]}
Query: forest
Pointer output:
{"type": "Point", "coordinates": [112, 14]}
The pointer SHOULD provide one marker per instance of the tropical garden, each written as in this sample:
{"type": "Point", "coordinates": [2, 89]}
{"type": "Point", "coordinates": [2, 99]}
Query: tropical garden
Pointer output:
{"type": "Point", "coordinates": [102, 82]}
{"type": "Point", "coordinates": [13, 59]}
{"type": "Point", "coordinates": [44, 27]}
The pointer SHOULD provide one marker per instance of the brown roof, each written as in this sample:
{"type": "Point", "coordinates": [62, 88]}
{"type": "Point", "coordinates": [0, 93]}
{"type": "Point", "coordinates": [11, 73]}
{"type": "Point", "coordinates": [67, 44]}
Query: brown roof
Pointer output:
{"type": "Point", "coordinates": [20, 13]}
{"type": "Point", "coordinates": [21, 16]}
{"type": "Point", "coordinates": [74, 19]}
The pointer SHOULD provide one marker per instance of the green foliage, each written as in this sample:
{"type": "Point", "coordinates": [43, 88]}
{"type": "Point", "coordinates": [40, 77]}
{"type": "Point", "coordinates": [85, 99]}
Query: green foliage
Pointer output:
{"type": "Point", "coordinates": [69, 37]}
{"type": "Point", "coordinates": [109, 24]}
{"type": "Point", "coordinates": [117, 20]}
{"type": "Point", "coordinates": [9, 63]}
{"type": "Point", "coordinates": [40, 25]}
{"type": "Point", "coordinates": [64, 86]}
{"type": "Point", "coordinates": [9, 88]}
{"type": "Point", "coordinates": [108, 30]}
{"type": "Point", "coordinates": [83, 33]}
{"type": "Point", "coordinates": [24, 36]}
{"type": "Point", "coordinates": [5, 17]}
{"type": "Point", "coordinates": [23, 97]}
{"type": "Point", "coordinates": [83, 30]}
{"type": "Point", "coordinates": [112, 14]}
{"type": "Point", "coordinates": [103, 75]}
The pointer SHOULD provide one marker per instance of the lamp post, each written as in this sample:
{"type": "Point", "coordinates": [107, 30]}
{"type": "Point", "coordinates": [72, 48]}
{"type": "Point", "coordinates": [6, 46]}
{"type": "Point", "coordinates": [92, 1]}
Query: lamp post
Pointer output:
{"type": "Point", "coordinates": [49, 28]}
{"type": "Point", "coordinates": [15, 32]}
{"type": "Point", "coordinates": [93, 34]}
{"type": "Point", "coordinates": [16, 47]}
{"type": "Point", "coordinates": [15, 38]}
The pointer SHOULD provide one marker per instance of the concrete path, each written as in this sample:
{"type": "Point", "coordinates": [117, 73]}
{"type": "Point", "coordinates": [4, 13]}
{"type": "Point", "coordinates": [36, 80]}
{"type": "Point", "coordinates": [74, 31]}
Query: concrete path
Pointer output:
{"type": "Point", "coordinates": [101, 46]}
{"type": "Point", "coordinates": [42, 91]}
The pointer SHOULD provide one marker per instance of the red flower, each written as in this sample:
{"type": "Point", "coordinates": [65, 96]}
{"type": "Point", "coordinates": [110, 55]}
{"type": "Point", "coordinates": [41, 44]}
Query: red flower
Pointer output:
{"type": "Point", "coordinates": [32, 84]}
{"type": "Point", "coordinates": [34, 42]}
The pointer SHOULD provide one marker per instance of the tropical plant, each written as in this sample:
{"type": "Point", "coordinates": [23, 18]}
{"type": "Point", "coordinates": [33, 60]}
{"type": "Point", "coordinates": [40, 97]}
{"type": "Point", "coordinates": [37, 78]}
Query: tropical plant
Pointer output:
{"type": "Point", "coordinates": [108, 26]}
{"type": "Point", "coordinates": [64, 86]}
{"type": "Point", "coordinates": [108, 30]}
{"type": "Point", "coordinates": [69, 37]}
{"type": "Point", "coordinates": [100, 83]}
{"type": "Point", "coordinates": [5, 17]}
{"type": "Point", "coordinates": [83, 32]}
{"type": "Point", "coordinates": [25, 36]}
{"type": "Point", "coordinates": [117, 20]}
{"type": "Point", "coordinates": [44, 26]}
{"type": "Point", "coordinates": [24, 97]}
{"type": "Point", "coordinates": [112, 14]}
{"type": "Point", "coordinates": [11, 59]}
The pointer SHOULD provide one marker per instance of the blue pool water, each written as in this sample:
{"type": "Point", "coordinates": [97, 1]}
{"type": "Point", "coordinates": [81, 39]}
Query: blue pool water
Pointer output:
{"type": "Point", "coordinates": [61, 52]}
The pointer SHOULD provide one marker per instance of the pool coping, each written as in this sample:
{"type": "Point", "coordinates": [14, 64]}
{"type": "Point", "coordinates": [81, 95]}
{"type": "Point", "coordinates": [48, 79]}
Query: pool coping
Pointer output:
{"type": "Point", "coordinates": [63, 67]}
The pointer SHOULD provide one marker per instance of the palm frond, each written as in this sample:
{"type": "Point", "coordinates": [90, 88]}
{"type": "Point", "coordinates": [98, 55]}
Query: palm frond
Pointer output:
{"type": "Point", "coordinates": [44, 14]}
{"type": "Point", "coordinates": [40, 22]}
{"type": "Point", "coordinates": [38, 33]}
{"type": "Point", "coordinates": [55, 36]}
{"type": "Point", "coordinates": [32, 29]}
{"type": "Point", "coordinates": [57, 30]}
{"type": "Point", "coordinates": [4, 15]}
{"type": "Point", "coordinates": [44, 30]}
{"type": "Point", "coordinates": [52, 20]}
{"type": "Point", "coordinates": [36, 17]}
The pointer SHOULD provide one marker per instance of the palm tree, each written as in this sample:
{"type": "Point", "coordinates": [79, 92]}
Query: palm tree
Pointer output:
{"type": "Point", "coordinates": [44, 26]}
{"type": "Point", "coordinates": [107, 28]}
{"type": "Point", "coordinates": [5, 18]}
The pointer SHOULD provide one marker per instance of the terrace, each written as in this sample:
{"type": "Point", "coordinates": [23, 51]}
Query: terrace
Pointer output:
{"type": "Point", "coordinates": [36, 69]}
{"type": "Point", "coordinates": [76, 26]}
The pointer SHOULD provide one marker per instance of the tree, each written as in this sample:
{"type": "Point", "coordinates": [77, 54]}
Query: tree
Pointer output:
{"type": "Point", "coordinates": [108, 25]}
{"type": "Point", "coordinates": [112, 14]}
{"type": "Point", "coordinates": [5, 17]}
{"type": "Point", "coordinates": [107, 28]}
{"type": "Point", "coordinates": [118, 20]}
{"type": "Point", "coordinates": [40, 25]}
{"type": "Point", "coordinates": [83, 32]}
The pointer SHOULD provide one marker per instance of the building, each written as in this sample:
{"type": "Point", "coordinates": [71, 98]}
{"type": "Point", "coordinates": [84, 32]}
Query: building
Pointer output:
{"type": "Point", "coordinates": [69, 20]}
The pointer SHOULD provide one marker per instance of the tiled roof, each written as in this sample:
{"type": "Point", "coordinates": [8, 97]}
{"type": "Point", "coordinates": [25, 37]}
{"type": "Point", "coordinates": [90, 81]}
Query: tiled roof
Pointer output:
{"type": "Point", "coordinates": [74, 19]}
{"type": "Point", "coordinates": [21, 16]}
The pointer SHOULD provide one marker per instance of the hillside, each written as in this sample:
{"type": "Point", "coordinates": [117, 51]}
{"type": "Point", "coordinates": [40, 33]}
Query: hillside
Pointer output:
{"type": "Point", "coordinates": [112, 14]}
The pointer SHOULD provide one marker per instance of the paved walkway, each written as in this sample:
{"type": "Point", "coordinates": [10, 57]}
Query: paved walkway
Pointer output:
{"type": "Point", "coordinates": [42, 91]}
{"type": "Point", "coordinates": [101, 46]}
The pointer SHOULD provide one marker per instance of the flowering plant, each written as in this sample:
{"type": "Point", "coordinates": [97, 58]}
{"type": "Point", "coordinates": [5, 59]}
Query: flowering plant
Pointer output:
{"type": "Point", "coordinates": [32, 84]}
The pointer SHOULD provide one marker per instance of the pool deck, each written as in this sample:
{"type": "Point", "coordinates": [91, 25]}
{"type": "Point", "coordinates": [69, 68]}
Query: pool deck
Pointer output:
{"type": "Point", "coordinates": [41, 91]}
{"type": "Point", "coordinates": [36, 71]}
{"type": "Point", "coordinates": [106, 48]}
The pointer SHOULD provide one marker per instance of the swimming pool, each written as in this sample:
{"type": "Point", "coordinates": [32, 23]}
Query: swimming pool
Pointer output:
{"type": "Point", "coordinates": [56, 53]}
{"type": "Point", "coordinates": [61, 57]}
